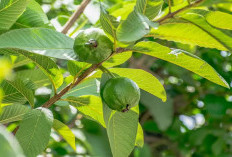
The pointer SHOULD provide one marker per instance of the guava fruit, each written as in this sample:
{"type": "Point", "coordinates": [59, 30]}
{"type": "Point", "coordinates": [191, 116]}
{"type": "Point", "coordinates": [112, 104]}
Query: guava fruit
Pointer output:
{"type": "Point", "coordinates": [92, 46]}
{"type": "Point", "coordinates": [121, 94]}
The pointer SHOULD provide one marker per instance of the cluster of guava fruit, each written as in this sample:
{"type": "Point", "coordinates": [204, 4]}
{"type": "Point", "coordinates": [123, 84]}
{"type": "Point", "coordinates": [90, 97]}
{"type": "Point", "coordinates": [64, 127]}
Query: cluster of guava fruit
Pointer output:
{"type": "Point", "coordinates": [93, 46]}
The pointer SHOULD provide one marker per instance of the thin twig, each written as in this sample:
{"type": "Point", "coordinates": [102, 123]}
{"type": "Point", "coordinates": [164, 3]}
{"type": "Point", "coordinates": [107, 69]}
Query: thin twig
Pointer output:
{"type": "Point", "coordinates": [75, 16]}
{"type": "Point", "coordinates": [178, 11]}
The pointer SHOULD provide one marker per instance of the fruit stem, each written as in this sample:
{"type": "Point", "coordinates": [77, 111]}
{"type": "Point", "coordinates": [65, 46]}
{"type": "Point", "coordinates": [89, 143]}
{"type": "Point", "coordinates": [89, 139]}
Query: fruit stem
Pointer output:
{"type": "Point", "coordinates": [104, 69]}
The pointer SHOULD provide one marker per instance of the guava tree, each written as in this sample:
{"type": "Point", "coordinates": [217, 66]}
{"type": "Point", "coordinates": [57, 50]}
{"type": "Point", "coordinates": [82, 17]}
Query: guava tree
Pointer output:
{"type": "Point", "coordinates": [36, 57]}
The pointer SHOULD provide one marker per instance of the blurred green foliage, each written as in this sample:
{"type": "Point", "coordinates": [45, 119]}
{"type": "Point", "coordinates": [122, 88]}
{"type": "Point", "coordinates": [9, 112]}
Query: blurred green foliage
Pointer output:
{"type": "Point", "coordinates": [194, 122]}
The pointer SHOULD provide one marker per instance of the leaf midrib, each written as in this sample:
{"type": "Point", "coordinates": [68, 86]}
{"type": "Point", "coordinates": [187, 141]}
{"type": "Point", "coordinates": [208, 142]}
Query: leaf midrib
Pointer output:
{"type": "Point", "coordinates": [9, 5]}
{"type": "Point", "coordinates": [6, 120]}
{"type": "Point", "coordinates": [32, 135]}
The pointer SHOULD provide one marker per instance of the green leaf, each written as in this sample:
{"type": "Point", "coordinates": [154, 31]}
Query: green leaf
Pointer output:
{"type": "Point", "coordinates": [65, 132]}
{"type": "Point", "coordinates": [75, 67]}
{"type": "Point", "coordinates": [117, 59]}
{"type": "Point", "coordinates": [42, 41]}
{"type": "Point", "coordinates": [11, 94]}
{"type": "Point", "coordinates": [17, 92]}
{"type": "Point", "coordinates": [162, 112]}
{"type": "Point", "coordinates": [47, 65]}
{"type": "Point", "coordinates": [139, 137]}
{"type": "Point", "coordinates": [35, 75]}
{"type": "Point", "coordinates": [89, 105]}
{"type": "Point", "coordinates": [34, 131]}
{"type": "Point", "coordinates": [9, 13]}
{"type": "Point", "coordinates": [149, 8]}
{"type": "Point", "coordinates": [108, 22]}
{"type": "Point", "coordinates": [12, 113]}
{"type": "Point", "coordinates": [197, 17]}
{"type": "Point", "coordinates": [122, 130]}
{"type": "Point", "coordinates": [144, 151]}
{"type": "Point", "coordinates": [133, 28]}
{"type": "Point", "coordinates": [186, 33]}
{"type": "Point", "coordinates": [9, 145]}
{"type": "Point", "coordinates": [33, 16]}
{"type": "Point", "coordinates": [181, 58]}
{"type": "Point", "coordinates": [219, 19]}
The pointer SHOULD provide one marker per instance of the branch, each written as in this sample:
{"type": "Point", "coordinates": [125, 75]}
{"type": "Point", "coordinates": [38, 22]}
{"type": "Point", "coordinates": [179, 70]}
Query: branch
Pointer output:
{"type": "Point", "coordinates": [75, 16]}
{"type": "Point", "coordinates": [178, 11]}
{"type": "Point", "coordinates": [57, 97]}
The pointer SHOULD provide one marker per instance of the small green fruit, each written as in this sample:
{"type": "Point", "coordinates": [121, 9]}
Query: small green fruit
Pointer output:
{"type": "Point", "coordinates": [92, 46]}
{"type": "Point", "coordinates": [121, 94]}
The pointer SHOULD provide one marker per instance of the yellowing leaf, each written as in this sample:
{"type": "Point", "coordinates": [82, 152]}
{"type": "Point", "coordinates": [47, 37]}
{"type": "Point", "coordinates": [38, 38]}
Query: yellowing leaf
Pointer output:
{"type": "Point", "coordinates": [65, 132]}
{"type": "Point", "coordinates": [117, 59]}
{"type": "Point", "coordinates": [139, 137]}
{"type": "Point", "coordinates": [5, 68]}
{"type": "Point", "coordinates": [219, 19]}
{"type": "Point", "coordinates": [197, 17]}
{"type": "Point", "coordinates": [186, 33]}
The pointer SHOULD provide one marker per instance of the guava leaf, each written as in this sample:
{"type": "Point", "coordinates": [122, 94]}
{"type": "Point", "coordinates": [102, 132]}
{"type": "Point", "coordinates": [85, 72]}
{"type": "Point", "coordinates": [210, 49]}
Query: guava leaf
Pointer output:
{"type": "Point", "coordinates": [12, 113]}
{"type": "Point", "coordinates": [122, 131]}
{"type": "Point", "coordinates": [197, 17]}
{"type": "Point", "coordinates": [16, 91]}
{"type": "Point", "coordinates": [117, 59]}
{"type": "Point", "coordinates": [36, 76]}
{"type": "Point", "coordinates": [75, 67]}
{"type": "Point", "coordinates": [47, 65]}
{"type": "Point", "coordinates": [89, 105]}
{"type": "Point", "coordinates": [193, 29]}
{"type": "Point", "coordinates": [108, 22]}
{"type": "Point", "coordinates": [149, 8]}
{"type": "Point", "coordinates": [33, 16]}
{"type": "Point", "coordinates": [219, 19]}
{"type": "Point", "coordinates": [9, 145]}
{"type": "Point", "coordinates": [65, 132]}
{"type": "Point", "coordinates": [34, 131]}
{"type": "Point", "coordinates": [181, 58]}
{"type": "Point", "coordinates": [133, 28]}
{"type": "Point", "coordinates": [41, 41]}
{"type": "Point", "coordinates": [139, 137]}
{"type": "Point", "coordinates": [10, 11]}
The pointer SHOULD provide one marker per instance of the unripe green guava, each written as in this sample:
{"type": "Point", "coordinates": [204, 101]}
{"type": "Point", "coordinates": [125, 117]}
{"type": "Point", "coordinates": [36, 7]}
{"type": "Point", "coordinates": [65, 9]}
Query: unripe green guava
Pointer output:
{"type": "Point", "coordinates": [121, 94]}
{"type": "Point", "coordinates": [92, 46]}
